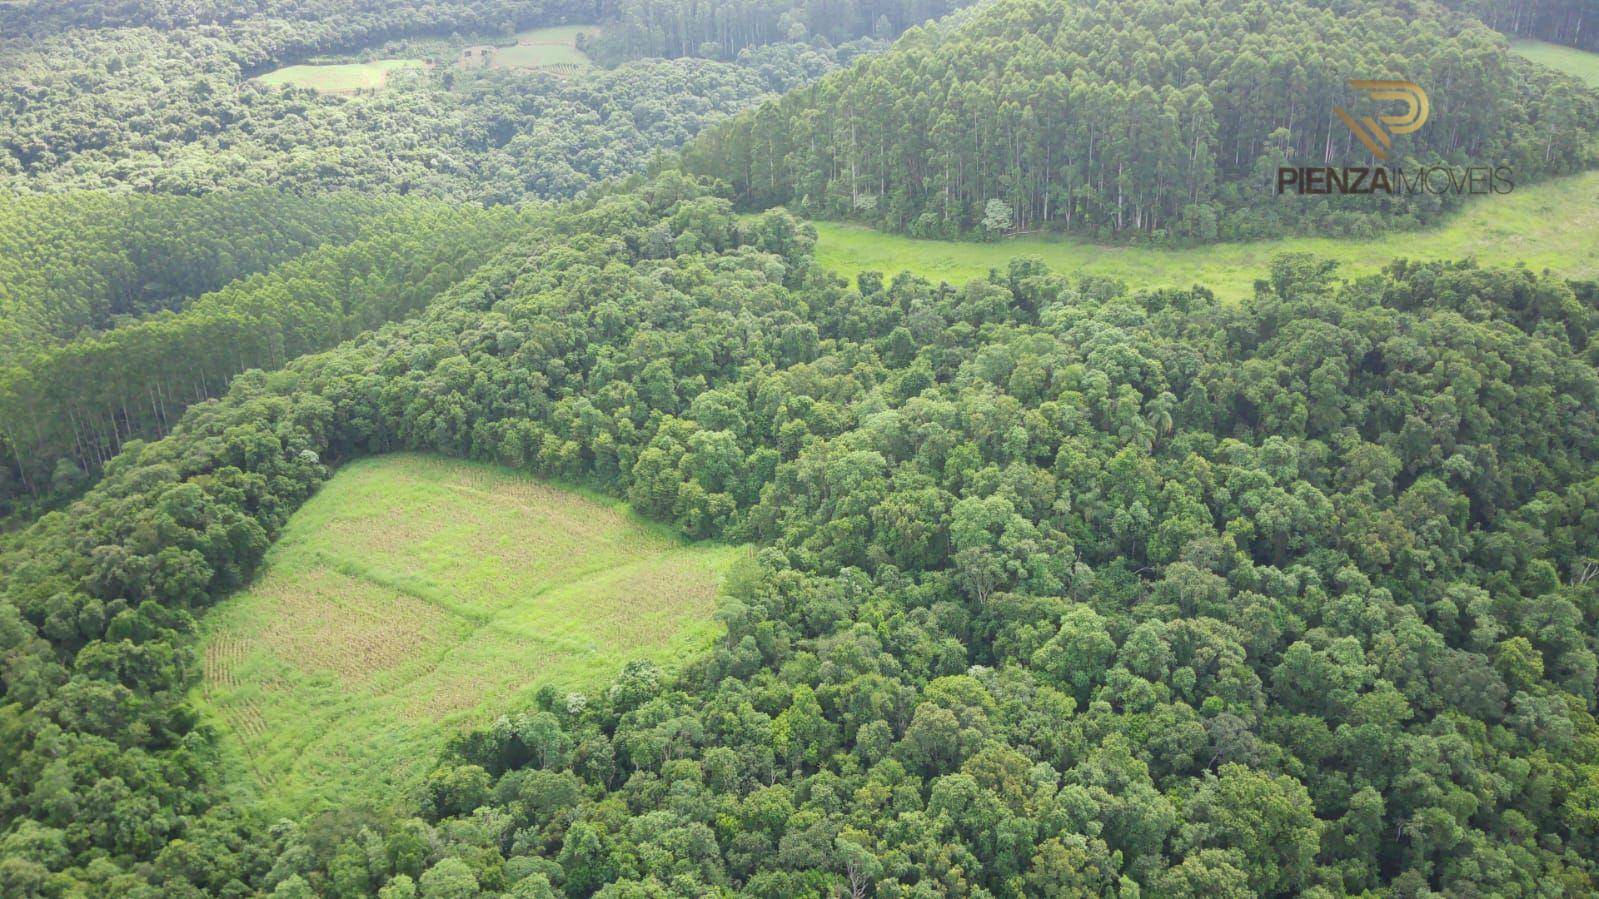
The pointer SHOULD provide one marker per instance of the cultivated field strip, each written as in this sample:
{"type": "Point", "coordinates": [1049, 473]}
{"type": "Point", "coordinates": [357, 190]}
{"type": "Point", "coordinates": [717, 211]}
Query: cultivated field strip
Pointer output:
{"type": "Point", "coordinates": [414, 596]}
{"type": "Point", "coordinates": [221, 656]}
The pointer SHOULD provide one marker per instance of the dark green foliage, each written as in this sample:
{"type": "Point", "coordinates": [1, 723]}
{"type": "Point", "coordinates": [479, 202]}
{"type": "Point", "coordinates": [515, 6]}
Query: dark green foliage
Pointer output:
{"type": "Point", "coordinates": [1144, 117]}
{"type": "Point", "coordinates": [1060, 590]}
{"type": "Point", "coordinates": [67, 408]}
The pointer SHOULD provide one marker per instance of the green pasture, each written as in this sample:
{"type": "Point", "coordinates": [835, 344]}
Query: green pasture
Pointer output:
{"type": "Point", "coordinates": [1582, 64]}
{"type": "Point", "coordinates": [414, 597]}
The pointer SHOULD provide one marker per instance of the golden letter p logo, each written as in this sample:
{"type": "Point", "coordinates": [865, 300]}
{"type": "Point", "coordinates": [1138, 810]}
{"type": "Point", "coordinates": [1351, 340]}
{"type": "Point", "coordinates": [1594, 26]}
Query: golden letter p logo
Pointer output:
{"type": "Point", "coordinates": [1369, 131]}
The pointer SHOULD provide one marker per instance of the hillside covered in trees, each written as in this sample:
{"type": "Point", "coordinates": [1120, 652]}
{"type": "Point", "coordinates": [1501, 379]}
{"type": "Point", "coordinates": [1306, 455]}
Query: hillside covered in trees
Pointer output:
{"type": "Point", "coordinates": [165, 114]}
{"type": "Point", "coordinates": [1144, 117]}
{"type": "Point", "coordinates": [1035, 585]}
{"type": "Point", "coordinates": [157, 96]}
{"type": "Point", "coordinates": [1060, 590]}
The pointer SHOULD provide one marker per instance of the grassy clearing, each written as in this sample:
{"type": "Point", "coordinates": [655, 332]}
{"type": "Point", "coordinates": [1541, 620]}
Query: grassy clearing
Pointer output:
{"type": "Point", "coordinates": [1579, 63]}
{"type": "Point", "coordinates": [415, 596]}
{"type": "Point", "coordinates": [1552, 225]}
{"type": "Point", "coordinates": [340, 78]}
{"type": "Point", "coordinates": [540, 56]}
{"type": "Point", "coordinates": [557, 34]}
{"type": "Point", "coordinates": [549, 49]}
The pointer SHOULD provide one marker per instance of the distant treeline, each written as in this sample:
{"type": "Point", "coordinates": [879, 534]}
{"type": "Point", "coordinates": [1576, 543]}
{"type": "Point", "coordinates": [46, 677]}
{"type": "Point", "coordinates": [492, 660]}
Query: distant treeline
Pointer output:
{"type": "Point", "coordinates": [1139, 116]}
{"type": "Point", "coordinates": [267, 30]}
{"type": "Point", "coordinates": [1574, 23]}
{"type": "Point", "coordinates": [721, 29]}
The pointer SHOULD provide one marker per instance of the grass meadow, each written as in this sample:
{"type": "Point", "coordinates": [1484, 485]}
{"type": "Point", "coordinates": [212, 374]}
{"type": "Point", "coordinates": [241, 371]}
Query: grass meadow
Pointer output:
{"type": "Point", "coordinates": [553, 49]}
{"type": "Point", "coordinates": [339, 78]}
{"type": "Point", "coordinates": [415, 596]}
{"type": "Point", "coordinates": [1580, 63]}
{"type": "Point", "coordinates": [540, 56]}
{"type": "Point", "coordinates": [555, 34]}
{"type": "Point", "coordinates": [1550, 225]}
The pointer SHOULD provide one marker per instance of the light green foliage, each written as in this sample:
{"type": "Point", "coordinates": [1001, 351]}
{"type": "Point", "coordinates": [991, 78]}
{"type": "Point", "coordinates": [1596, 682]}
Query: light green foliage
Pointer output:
{"type": "Point", "coordinates": [412, 597]}
{"type": "Point", "coordinates": [997, 217]}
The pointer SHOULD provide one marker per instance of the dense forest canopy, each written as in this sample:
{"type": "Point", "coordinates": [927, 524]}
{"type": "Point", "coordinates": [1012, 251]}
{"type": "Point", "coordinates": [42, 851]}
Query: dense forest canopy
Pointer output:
{"type": "Point", "coordinates": [1062, 590]}
{"type": "Point", "coordinates": [99, 98]}
{"type": "Point", "coordinates": [162, 115]}
{"type": "Point", "coordinates": [154, 97]}
{"type": "Point", "coordinates": [157, 96]}
{"type": "Point", "coordinates": [1054, 588]}
{"type": "Point", "coordinates": [1144, 117]}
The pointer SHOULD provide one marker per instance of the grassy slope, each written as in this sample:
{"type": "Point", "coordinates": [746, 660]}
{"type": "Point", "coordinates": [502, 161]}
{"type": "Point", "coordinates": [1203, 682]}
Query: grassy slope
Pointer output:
{"type": "Point", "coordinates": [1580, 63]}
{"type": "Point", "coordinates": [339, 77]}
{"type": "Point", "coordinates": [1551, 225]}
{"type": "Point", "coordinates": [414, 596]}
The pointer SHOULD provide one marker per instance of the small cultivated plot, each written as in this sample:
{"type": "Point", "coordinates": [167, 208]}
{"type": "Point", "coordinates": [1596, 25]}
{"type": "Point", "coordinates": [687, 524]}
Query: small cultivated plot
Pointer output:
{"type": "Point", "coordinates": [539, 56]}
{"type": "Point", "coordinates": [1578, 63]}
{"type": "Point", "coordinates": [1551, 225]}
{"type": "Point", "coordinates": [340, 78]}
{"type": "Point", "coordinates": [550, 49]}
{"type": "Point", "coordinates": [414, 597]}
